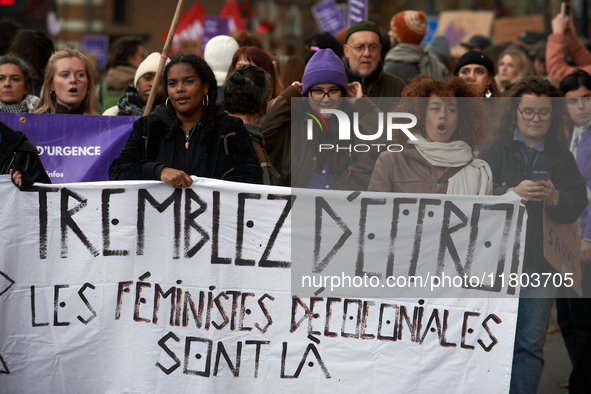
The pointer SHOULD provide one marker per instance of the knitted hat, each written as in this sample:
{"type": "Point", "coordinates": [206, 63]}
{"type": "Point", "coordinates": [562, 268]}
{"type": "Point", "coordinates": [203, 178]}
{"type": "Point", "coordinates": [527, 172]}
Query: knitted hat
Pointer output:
{"type": "Point", "coordinates": [411, 26]}
{"type": "Point", "coordinates": [475, 57]}
{"type": "Point", "coordinates": [218, 54]}
{"type": "Point", "coordinates": [361, 26]}
{"type": "Point", "coordinates": [324, 67]}
{"type": "Point", "coordinates": [149, 65]}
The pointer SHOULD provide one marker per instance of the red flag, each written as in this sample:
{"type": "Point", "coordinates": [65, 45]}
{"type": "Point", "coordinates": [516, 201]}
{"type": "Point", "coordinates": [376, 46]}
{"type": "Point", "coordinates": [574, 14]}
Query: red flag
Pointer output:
{"type": "Point", "coordinates": [230, 10]}
{"type": "Point", "coordinates": [190, 26]}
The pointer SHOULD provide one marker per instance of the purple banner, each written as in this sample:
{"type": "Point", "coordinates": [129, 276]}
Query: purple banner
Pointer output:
{"type": "Point", "coordinates": [214, 26]}
{"type": "Point", "coordinates": [357, 11]}
{"type": "Point", "coordinates": [328, 17]}
{"type": "Point", "coordinates": [74, 148]}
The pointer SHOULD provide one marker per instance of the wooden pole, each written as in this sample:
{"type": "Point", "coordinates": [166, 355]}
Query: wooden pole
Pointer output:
{"type": "Point", "coordinates": [165, 50]}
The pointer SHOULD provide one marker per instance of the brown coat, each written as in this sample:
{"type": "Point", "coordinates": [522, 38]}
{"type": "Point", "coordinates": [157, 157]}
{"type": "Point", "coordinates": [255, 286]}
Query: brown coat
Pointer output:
{"type": "Point", "coordinates": [406, 172]}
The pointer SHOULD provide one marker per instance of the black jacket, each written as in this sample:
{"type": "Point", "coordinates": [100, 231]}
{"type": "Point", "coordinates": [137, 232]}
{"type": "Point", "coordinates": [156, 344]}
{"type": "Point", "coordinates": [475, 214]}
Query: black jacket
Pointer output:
{"type": "Point", "coordinates": [225, 152]}
{"type": "Point", "coordinates": [508, 168]}
{"type": "Point", "coordinates": [19, 154]}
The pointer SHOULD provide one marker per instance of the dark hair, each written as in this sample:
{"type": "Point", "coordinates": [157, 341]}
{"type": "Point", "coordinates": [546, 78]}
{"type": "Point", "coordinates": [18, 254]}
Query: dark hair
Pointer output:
{"type": "Point", "coordinates": [574, 81]}
{"type": "Point", "coordinates": [20, 63]}
{"type": "Point", "coordinates": [292, 70]}
{"type": "Point", "coordinates": [247, 39]}
{"type": "Point", "coordinates": [121, 50]}
{"type": "Point", "coordinates": [34, 47]}
{"type": "Point", "coordinates": [246, 90]}
{"type": "Point", "coordinates": [207, 77]}
{"type": "Point", "coordinates": [8, 30]}
{"type": "Point", "coordinates": [538, 86]}
{"type": "Point", "coordinates": [538, 51]}
{"type": "Point", "coordinates": [322, 40]}
{"type": "Point", "coordinates": [261, 59]}
{"type": "Point", "coordinates": [470, 114]}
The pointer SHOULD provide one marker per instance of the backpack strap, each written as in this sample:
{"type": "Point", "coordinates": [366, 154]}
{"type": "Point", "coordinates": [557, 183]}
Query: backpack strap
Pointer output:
{"type": "Point", "coordinates": [451, 172]}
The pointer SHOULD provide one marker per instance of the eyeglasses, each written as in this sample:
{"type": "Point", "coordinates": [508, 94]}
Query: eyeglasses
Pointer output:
{"type": "Point", "coordinates": [575, 100]}
{"type": "Point", "coordinates": [319, 95]}
{"type": "Point", "coordinates": [360, 48]}
{"type": "Point", "coordinates": [529, 113]}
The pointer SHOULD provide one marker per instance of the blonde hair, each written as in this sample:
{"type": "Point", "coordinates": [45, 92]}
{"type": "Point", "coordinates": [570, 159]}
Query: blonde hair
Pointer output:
{"type": "Point", "coordinates": [46, 103]}
{"type": "Point", "coordinates": [523, 65]}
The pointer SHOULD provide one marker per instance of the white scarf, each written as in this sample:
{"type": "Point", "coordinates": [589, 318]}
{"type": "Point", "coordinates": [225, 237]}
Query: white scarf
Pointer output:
{"type": "Point", "coordinates": [474, 178]}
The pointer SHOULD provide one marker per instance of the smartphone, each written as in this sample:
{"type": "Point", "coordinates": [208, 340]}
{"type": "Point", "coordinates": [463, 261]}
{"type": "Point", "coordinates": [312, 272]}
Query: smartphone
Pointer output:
{"type": "Point", "coordinates": [540, 176]}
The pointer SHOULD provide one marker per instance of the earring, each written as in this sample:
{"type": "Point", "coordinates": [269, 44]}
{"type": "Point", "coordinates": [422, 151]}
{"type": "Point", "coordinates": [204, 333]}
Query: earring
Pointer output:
{"type": "Point", "coordinates": [487, 92]}
{"type": "Point", "coordinates": [167, 102]}
{"type": "Point", "coordinates": [205, 100]}
{"type": "Point", "coordinates": [52, 93]}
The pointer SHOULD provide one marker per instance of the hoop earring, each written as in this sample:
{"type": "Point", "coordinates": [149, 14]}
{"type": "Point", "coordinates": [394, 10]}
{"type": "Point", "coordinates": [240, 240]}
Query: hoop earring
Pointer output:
{"type": "Point", "coordinates": [52, 93]}
{"type": "Point", "coordinates": [487, 92]}
{"type": "Point", "coordinates": [167, 102]}
{"type": "Point", "coordinates": [205, 100]}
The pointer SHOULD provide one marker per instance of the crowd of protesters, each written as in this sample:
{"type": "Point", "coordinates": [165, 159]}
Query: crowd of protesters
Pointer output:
{"type": "Point", "coordinates": [229, 115]}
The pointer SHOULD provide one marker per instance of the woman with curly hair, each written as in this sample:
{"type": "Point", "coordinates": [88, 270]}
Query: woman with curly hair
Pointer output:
{"type": "Point", "coordinates": [440, 158]}
{"type": "Point", "coordinates": [190, 135]}
{"type": "Point", "coordinates": [531, 140]}
{"type": "Point", "coordinates": [68, 84]}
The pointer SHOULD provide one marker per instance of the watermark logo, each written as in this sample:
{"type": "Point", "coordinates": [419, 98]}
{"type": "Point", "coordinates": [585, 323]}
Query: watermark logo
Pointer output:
{"type": "Point", "coordinates": [388, 122]}
{"type": "Point", "coordinates": [319, 120]}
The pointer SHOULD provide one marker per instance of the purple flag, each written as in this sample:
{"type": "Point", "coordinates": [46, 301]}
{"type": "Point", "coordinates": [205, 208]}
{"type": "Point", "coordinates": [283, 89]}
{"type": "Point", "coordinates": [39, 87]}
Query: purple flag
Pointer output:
{"type": "Point", "coordinates": [357, 11]}
{"type": "Point", "coordinates": [328, 17]}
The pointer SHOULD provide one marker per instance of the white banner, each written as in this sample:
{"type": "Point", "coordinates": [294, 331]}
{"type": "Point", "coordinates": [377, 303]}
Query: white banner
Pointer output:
{"type": "Point", "coordinates": [138, 287]}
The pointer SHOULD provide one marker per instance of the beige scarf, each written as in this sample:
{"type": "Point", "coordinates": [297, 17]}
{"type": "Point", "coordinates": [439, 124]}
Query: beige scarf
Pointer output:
{"type": "Point", "coordinates": [474, 178]}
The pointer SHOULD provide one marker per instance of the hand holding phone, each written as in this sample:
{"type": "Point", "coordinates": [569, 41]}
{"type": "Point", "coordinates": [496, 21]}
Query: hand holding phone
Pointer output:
{"type": "Point", "coordinates": [540, 176]}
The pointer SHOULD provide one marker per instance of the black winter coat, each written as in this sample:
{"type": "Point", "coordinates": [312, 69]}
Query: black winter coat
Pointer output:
{"type": "Point", "coordinates": [508, 168]}
{"type": "Point", "coordinates": [226, 152]}
{"type": "Point", "coordinates": [19, 154]}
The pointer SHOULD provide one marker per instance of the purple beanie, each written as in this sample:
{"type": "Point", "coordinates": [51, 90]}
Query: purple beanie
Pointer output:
{"type": "Point", "coordinates": [324, 67]}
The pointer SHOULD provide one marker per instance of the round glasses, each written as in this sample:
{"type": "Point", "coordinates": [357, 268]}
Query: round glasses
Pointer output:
{"type": "Point", "coordinates": [529, 114]}
{"type": "Point", "coordinates": [319, 95]}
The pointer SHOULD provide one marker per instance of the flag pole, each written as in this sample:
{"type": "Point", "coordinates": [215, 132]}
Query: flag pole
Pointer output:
{"type": "Point", "coordinates": [165, 50]}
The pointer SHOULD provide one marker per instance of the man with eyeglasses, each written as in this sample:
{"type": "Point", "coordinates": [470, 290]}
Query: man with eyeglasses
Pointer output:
{"type": "Point", "coordinates": [407, 58]}
{"type": "Point", "coordinates": [362, 49]}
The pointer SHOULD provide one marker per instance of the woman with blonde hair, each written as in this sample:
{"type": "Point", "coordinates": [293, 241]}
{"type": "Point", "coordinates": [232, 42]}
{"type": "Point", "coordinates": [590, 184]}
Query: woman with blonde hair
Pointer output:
{"type": "Point", "coordinates": [513, 65]}
{"type": "Point", "coordinates": [68, 86]}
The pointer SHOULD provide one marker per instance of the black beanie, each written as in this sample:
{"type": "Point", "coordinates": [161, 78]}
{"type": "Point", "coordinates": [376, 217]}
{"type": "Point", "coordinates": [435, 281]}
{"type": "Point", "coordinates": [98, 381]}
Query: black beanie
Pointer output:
{"type": "Point", "coordinates": [474, 57]}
